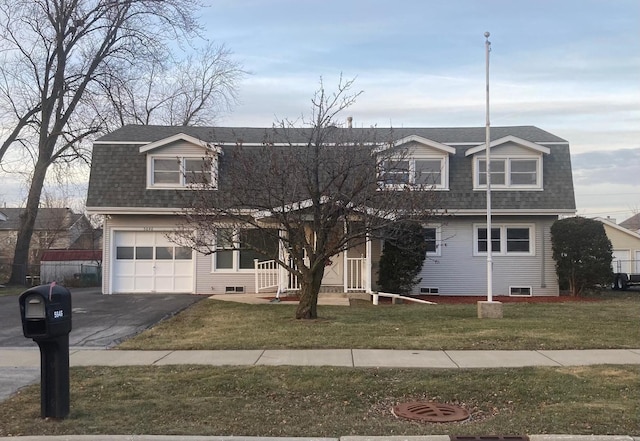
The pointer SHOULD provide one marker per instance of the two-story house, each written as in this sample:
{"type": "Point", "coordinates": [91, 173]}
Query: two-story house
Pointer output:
{"type": "Point", "coordinates": [138, 174]}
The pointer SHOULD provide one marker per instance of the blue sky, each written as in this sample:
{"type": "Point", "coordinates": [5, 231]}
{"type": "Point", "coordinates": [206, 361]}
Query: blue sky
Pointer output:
{"type": "Point", "coordinates": [571, 67]}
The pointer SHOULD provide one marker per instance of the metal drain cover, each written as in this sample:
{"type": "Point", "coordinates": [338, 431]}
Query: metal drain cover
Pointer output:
{"type": "Point", "coordinates": [431, 412]}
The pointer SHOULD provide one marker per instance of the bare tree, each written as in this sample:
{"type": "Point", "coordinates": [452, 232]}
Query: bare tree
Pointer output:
{"type": "Point", "coordinates": [188, 91]}
{"type": "Point", "coordinates": [55, 58]}
{"type": "Point", "coordinates": [320, 190]}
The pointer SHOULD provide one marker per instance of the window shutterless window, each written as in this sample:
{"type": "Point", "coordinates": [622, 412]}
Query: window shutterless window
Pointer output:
{"type": "Point", "coordinates": [522, 173]}
{"type": "Point", "coordinates": [428, 172]}
{"type": "Point", "coordinates": [176, 172]}
{"type": "Point", "coordinates": [432, 239]}
{"type": "Point", "coordinates": [236, 248]}
{"type": "Point", "coordinates": [505, 240]}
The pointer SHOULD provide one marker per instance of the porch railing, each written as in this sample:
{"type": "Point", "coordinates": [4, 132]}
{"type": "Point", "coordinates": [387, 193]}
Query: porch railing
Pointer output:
{"type": "Point", "coordinates": [270, 275]}
{"type": "Point", "coordinates": [266, 274]}
{"type": "Point", "coordinates": [355, 274]}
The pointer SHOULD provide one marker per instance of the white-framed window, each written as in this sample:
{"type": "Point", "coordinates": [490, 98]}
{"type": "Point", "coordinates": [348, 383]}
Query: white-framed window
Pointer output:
{"type": "Point", "coordinates": [509, 173]}
{"type": "Point", "coordinates": [421, 172]}
{"type": "Point", "coordinates": [520, 291]}
{"type": "Point", "coordinates": [506, 240]}
{"type": "Point", "coordinates": [232, 252]}
{"type": "Point", "coordinates": [432, 238]}
{"type": "Point", "coordinates": [181, 171]}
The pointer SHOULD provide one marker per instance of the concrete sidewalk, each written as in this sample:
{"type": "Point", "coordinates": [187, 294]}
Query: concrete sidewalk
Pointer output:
{"type": "Point", "coordinates": [27, 361]}
{"type": "Point", "coordinates": [356, 358]}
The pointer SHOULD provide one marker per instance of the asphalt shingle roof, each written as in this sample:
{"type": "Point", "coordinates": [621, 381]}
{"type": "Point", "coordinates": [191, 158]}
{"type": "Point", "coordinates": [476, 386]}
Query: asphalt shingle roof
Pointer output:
{"type": "Point", "coordinates": [118, 172]}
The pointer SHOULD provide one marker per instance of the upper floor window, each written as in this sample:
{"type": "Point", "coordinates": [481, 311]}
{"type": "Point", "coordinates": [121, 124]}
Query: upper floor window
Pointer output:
{"type": "Point", "coordinates": [428, 173]}
{"type": "Point", "coordinates": [520, 173]}
{"type": "Point", "coordinates": [181, 172]}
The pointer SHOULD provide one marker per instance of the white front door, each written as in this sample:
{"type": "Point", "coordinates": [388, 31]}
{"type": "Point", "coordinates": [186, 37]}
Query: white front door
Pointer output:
{"type": "Point", "coordinates": [148, 262]}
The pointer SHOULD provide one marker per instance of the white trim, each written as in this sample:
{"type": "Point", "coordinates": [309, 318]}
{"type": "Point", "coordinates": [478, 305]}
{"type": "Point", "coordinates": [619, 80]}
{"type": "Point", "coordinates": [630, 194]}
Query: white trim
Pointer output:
{"type": "Point", "coordinates": [618, 227]}
{"type": "Point", "coordinates": [424, 141]}
{"type": "Point", "coordinates": [182, 184]}
{"type": "Point", "coordinates": [508, 159]}
{"type": "Point", "coordinates": [438, 251]}
{"type": "Point", "coordinates": [520, 287]}
{"type": "Point", "coordinates": [180, 137]}
{"type": "Point", "coordinates": [503, 227]}
{"type": "Point", "coordinates": [509, 138]}
{"type": "Point", "coordinates": [444, 173]}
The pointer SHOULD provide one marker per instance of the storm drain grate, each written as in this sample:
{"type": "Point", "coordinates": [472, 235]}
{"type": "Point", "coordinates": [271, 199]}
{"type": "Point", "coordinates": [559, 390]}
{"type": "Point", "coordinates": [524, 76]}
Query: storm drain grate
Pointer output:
{"type": "Point", "coordinates": [489, 438]}
{"type": "Point", "coordinates": [430, 412]}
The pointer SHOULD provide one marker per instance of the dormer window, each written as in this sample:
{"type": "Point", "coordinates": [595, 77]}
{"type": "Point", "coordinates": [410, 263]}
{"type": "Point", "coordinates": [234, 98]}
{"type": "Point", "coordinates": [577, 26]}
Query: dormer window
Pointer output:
{"type": "Point", "coordinates": [180, 172]}
{"type": "Point", "coordinates": [516, 172]}
{"type": "Point", "coordinates": [515, 165]}
{"type": "Point", "coordinates": [427, 173]}
{"type": "Point", "coordinates": [181, 162]}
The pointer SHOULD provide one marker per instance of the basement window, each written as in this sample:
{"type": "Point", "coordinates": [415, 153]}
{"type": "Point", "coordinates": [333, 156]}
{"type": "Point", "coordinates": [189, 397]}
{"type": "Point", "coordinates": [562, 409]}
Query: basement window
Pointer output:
{"type": "Point", "coordinates": [520, 291]}
{"type": "Point", "coordinates": [429, 290]}
{"type": "Point", "coordinates": [234, 289]}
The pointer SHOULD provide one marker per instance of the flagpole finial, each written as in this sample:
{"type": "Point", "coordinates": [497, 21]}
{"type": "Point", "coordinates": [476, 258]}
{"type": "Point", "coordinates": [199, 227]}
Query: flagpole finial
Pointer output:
{"type": "Point", "coordinates": [487, 34]}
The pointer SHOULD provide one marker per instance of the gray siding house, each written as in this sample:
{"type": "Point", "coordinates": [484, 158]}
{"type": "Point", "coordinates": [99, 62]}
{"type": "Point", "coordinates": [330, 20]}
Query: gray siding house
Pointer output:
{"type": "Point", "coordinates": [135, 183]}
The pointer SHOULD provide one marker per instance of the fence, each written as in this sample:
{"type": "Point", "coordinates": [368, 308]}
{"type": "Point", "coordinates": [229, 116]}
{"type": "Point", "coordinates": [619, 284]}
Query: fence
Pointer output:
{"type": "Point", "coordinates": [71, 273]}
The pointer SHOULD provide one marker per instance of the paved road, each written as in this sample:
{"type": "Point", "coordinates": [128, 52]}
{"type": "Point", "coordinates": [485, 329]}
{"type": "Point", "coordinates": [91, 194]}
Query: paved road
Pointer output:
{"type": "Point", "coordinates": [98, 320]}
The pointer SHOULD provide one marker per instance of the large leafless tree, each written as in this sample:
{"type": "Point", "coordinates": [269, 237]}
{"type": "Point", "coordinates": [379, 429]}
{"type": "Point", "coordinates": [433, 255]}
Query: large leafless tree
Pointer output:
{"type": "Point", "coordinates": [319, 189]}
{"type": "Point", "coordinates": [57, 58]}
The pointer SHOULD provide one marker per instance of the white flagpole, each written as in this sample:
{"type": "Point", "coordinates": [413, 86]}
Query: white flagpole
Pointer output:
{"type": "Point", "coordinates": [488, 163]}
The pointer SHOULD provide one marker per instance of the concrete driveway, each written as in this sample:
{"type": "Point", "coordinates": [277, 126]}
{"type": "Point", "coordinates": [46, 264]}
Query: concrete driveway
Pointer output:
{"type": "Point", "coordinates": [98, 321]}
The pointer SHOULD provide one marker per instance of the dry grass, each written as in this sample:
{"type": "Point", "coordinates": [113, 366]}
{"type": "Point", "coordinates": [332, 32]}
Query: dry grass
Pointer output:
{"type": "Point", "coordinates": [332, 402]}
{"type": "Point", "coordinates": [210, 324]}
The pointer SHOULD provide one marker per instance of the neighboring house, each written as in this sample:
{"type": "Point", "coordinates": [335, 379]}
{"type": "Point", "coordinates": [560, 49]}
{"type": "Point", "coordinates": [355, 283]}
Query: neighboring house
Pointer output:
{"type": "Point", "coordinates": [626, 247]}
{"type": "Point", "coordinates": [137, 178]}
{"type": "Point", "coordinates": [55, 228]}
{"type": "Point", "coordinates": [69, 266]}
{"type": "Point", "coordinates": [633, 223]}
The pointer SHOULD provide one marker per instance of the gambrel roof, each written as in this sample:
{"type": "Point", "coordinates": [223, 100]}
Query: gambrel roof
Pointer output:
{"type": "Point", "coordinates": [118, 173]}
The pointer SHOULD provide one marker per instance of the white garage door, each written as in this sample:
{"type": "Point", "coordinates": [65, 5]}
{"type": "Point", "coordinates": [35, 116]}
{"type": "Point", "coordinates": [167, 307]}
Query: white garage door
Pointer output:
{"type": "Point", "coordinates": [149, 262]}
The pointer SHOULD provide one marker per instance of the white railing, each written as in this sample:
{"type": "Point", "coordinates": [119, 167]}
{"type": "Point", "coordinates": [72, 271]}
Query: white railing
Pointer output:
{"type": "Point", "coordinates": [270, 275]}
{"type": "Point", "coordinates": [266, 274]}
{"type": "Point", "coordinates": [355, 280]}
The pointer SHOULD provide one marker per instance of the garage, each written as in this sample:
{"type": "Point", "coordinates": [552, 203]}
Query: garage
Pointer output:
{"type": "Point", "coordinates": [147, 262]}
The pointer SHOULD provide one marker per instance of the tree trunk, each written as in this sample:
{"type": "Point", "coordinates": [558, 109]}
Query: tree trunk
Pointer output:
{"type": "Point", "coordinates": [27, 223]}
{"type": "Point", "coordinates": [309, 289]}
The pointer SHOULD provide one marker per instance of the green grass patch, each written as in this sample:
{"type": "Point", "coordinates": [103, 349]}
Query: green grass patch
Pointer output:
{"type": "Point", "coordinates": [12, 290]}
{"type": "Point", "coordinates": [212, 324]}
{"type": "Point", "coordinates": [332, 402]}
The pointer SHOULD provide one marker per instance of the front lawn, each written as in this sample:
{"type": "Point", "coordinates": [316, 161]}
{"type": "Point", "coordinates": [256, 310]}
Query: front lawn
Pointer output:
{"type": "Point", "coordinates": [611, 322]}
{"type": "Point", "coordinates": [331, 402]}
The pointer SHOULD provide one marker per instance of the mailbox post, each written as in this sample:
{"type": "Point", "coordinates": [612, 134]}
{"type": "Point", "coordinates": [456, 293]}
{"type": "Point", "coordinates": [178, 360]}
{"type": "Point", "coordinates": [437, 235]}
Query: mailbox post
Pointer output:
{"type": "Point", "coordinates": [46, 318]}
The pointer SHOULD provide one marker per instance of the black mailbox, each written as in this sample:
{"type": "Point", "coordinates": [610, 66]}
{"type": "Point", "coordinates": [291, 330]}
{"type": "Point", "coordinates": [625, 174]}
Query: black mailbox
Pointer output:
{"type": "Point", "coordinates": [46, 318]}
{"type": "Point", "coordinates": [45, 312]}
